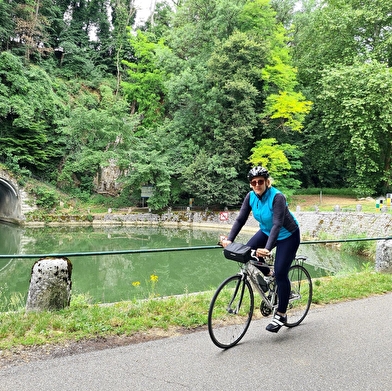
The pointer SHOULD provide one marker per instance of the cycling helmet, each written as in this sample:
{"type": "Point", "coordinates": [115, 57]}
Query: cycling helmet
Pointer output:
{"type": "Point", "coordinates": [258, 171]}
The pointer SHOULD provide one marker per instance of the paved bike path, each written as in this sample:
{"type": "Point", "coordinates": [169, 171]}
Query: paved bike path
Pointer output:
{"type": "Point", "coordinates": [345, 346]}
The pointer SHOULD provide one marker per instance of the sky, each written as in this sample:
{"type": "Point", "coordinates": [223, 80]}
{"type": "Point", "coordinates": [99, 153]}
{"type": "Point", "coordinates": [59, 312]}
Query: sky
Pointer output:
{"type": "Point", "coordinates": [143, 9]}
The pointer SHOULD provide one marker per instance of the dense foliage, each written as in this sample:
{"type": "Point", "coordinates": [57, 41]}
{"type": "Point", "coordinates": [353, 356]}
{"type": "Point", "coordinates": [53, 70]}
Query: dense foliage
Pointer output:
{"type": "Point", "coordinates": [196, 95]}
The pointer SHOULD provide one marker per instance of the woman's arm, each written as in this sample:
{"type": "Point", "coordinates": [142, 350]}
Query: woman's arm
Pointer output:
{"type": "Point", "coordinates": [279, 210]}
{"type": "Point", "coordinates": [240, 220]}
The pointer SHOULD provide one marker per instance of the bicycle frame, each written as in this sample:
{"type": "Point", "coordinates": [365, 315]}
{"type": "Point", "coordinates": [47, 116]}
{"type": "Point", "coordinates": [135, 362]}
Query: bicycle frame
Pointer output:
{"type": "Point", "coordinates": [249, 270]}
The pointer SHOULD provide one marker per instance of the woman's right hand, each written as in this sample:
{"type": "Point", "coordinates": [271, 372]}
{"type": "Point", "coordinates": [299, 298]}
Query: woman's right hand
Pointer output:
{"type": "Point", "coordinates": [223, 241]}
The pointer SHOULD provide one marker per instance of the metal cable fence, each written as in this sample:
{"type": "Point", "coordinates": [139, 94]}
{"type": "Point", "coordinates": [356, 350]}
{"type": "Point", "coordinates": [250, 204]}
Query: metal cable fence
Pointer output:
{"type": "Point", "coordinates": [159, 250]}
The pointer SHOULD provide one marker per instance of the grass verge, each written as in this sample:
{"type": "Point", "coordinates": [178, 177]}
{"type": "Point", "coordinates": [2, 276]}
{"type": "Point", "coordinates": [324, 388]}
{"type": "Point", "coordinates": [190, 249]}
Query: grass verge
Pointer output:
{"type": "Point", "coordinates": [83, 321]}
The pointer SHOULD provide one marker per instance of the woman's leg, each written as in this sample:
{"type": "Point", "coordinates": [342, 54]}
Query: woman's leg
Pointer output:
{"type": "Point", "coordinates": [258, 240]}
{"type": "Point", "coordinates": [285, 253]}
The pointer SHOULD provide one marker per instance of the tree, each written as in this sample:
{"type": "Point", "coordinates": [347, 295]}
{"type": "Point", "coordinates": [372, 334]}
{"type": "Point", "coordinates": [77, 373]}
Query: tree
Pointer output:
{"type": "Point", "coordinates": [31, 27]}
{"type": "Point", "coordinates": [123, 16]}
{"type": "Point", "coordinates": [324, 35]}
{"type": "Point", "coordinates": [98, 132]}
{"type": "Point", "coordinates": [284, 11]}
{"type": "Point", "coordinates": [285, 108]}
{"type": "Point", "coordinates": [7, 24]}
{"type": "Point", "coordinates": [275, 157]}
{"type": "Point", "coordinates": [224, 96]}
{"type": "Point", "coordinates": [150, 165]}
{"type": "Point", "coordinates": [144, 87]}
{"type": "Point", "coordinates": [361, 94]}
{"type": "Point", "coordinates": [328, 36]}
{"type": "Point", "coordinates": [29, 107]}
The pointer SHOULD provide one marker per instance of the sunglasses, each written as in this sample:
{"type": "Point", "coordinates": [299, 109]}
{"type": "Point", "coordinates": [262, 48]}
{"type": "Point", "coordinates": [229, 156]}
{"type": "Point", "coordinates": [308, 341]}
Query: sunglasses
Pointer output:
{"type": "Point", "coordinates": [258, 182]}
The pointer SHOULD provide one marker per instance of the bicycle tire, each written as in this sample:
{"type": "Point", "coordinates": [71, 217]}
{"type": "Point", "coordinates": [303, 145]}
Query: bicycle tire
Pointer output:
{"type": "Point", "coordinates": [300, 296]}
{"type": "Point", "coordinates": [230, 311]}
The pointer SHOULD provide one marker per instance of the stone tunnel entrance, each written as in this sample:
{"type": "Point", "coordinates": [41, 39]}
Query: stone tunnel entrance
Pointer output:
{"type": "Point", "coordinates": [10, 205]}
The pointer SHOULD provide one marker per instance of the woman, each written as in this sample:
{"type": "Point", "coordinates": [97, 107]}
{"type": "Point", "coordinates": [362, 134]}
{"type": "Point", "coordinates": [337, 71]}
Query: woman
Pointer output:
{"type": "Point", "coordinates": [278, 228]}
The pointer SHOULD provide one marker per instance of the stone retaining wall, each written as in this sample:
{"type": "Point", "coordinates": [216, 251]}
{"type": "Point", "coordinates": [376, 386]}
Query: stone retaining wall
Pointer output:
{"type": "Point", "coordinates": [345, 224]}
{"type": "Point", "coordinates": [335, 224]}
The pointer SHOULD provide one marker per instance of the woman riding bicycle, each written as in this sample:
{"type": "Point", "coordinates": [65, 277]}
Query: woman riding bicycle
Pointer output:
{"type": "Point", "coordinates": [278, 228]}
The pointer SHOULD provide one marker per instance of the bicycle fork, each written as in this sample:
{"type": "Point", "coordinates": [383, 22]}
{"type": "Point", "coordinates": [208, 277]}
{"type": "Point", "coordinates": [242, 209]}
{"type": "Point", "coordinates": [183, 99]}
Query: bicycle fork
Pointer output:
{"type": "Point", "coordinates": [240, 285]}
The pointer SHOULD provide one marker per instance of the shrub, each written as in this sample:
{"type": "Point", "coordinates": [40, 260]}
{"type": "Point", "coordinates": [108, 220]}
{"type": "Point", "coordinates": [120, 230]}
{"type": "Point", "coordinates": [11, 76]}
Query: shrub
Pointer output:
{"type": "Point", "coordinates": [45, 198]}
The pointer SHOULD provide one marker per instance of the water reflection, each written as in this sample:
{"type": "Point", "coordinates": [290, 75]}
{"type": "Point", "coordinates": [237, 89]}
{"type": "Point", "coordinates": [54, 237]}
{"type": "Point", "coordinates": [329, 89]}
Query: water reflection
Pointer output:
{"type": "Point", "coordinates": [11, 238]}
{"type": "Point", "coordinates": [109, 278]}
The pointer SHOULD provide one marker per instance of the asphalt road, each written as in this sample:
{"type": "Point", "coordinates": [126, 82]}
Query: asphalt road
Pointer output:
{"type": "Point", "coordinates": [344, 346]}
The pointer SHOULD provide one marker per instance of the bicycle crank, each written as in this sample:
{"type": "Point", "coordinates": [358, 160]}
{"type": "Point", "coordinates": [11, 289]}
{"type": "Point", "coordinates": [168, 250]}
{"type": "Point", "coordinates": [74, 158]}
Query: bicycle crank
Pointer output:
{"type": "Point", "coordinates": [264, 309]}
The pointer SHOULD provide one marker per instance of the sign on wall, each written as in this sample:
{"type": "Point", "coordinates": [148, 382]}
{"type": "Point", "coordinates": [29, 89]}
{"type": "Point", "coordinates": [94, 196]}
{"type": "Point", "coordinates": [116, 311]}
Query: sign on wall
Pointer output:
{"type": "Point", "coordinates": [147, 191]}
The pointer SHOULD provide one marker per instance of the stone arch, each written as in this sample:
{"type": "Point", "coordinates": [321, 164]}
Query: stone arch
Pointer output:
{"type": "Point", "coordinates": [10, 205]}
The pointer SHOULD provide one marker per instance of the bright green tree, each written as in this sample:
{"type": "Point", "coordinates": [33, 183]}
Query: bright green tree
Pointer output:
{"type": "Point", "coordinates": [280, 159]}
{"type": "Point", "coordinates": [144, 87]}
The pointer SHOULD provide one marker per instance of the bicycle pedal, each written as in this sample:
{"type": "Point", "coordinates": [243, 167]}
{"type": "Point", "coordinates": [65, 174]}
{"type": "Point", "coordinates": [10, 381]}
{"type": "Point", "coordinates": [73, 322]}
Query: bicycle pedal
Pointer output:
{"type": "Point", "coordinates": [294, 296]}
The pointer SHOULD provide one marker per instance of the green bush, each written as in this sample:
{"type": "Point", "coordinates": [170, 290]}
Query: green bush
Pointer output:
{"type": "Point", "coordinates": [360, 247]}
{"type": "Point", "coordinates": [45, 198]}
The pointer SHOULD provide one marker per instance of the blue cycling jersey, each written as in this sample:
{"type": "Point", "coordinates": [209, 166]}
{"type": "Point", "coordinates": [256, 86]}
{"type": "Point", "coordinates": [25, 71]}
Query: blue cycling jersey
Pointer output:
{"type": "Point", "coordinates": [272, 213]}
{"type": "Point", "coordinates": [263, 212]}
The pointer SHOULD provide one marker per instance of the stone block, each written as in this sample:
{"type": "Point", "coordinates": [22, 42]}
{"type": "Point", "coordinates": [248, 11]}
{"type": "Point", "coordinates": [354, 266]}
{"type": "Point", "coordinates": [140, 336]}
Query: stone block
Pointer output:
{"type": "Point", "coordinates": [384, 256]}
{"type": "Point", "coordinates": [50, 285]}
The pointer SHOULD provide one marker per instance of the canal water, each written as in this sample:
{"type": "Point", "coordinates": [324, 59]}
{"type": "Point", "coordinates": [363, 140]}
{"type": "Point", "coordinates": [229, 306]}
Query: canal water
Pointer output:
{"type": "Point", "coordinates": [116, 277]}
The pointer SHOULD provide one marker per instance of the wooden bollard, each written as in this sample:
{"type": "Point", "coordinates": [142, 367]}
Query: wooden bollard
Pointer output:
{"type": "Point", "coordinates": [50, 285]}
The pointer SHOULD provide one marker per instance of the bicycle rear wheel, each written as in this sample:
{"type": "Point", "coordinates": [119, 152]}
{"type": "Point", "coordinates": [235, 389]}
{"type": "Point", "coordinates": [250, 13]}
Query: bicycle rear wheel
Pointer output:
{"type": "Point", "coordinates": [300, 296]}
{"type": "Point", "coordinates": [230, 311]}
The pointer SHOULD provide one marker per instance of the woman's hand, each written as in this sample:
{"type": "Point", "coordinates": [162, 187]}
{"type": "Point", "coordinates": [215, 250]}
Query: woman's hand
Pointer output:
{"type": "Point", "coordinates": [223, 241]}
{"type": "Point", "coordinates": [263, 252]}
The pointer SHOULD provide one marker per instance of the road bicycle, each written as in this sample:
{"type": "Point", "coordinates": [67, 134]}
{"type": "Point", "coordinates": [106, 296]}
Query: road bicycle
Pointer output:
{"type": "Point", "coordinates": [232, 306]}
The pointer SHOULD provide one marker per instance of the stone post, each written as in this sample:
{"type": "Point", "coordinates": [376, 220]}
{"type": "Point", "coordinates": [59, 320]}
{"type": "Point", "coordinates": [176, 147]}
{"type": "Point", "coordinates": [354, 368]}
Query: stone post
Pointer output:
{"type": "Point", "coordinates": [384, 256]}
{"type": "Point", "coordinates": [50, 285]}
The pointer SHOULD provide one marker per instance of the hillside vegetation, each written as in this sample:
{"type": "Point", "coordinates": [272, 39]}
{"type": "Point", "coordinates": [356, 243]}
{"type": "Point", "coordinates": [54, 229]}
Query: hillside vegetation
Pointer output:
{"type": "Point", "coordinates": [187, 102]}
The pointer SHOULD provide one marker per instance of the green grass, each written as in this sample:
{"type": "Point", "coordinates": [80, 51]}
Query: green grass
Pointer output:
{"type": "Point", "coordinates": [348, 287]}
{"type": "Point", "coordinates": [343, 192]}
{"type": "Point", "coordinates": [83, 320]}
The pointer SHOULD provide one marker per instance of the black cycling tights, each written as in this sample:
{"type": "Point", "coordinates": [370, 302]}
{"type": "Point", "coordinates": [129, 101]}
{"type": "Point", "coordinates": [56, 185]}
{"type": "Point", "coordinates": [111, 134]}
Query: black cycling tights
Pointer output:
{"type": "Point", "coordinates": [286, 250]}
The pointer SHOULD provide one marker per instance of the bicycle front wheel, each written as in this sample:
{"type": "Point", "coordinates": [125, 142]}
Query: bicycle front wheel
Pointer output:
{"type": "Point", "coordinates": [230, 311]}
{"type": "Point", "coordinates": [300, 295]}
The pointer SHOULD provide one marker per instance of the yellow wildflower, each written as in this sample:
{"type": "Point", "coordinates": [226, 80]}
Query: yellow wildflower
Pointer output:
{"type": "Point", "coordinates": [153, 278]}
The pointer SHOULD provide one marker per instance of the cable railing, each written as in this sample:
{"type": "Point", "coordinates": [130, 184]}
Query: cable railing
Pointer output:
{"type": "Point", "coordinates": [159, 250]}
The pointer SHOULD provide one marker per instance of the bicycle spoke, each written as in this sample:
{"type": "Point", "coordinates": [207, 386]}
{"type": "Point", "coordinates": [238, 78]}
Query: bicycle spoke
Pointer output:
{"type": "Point", "coordinates": [230, 312]}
